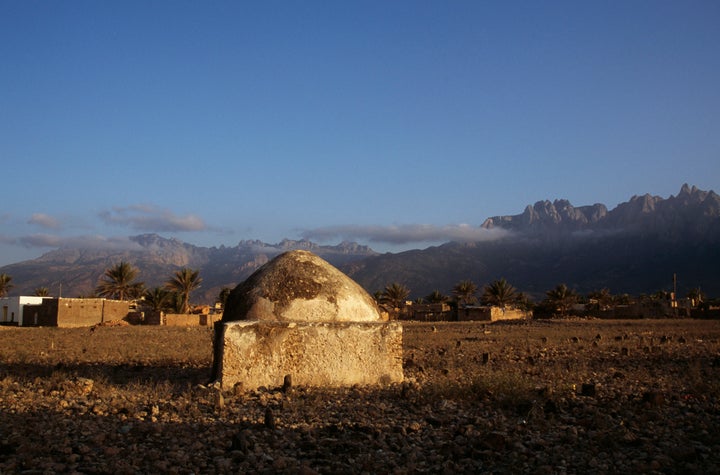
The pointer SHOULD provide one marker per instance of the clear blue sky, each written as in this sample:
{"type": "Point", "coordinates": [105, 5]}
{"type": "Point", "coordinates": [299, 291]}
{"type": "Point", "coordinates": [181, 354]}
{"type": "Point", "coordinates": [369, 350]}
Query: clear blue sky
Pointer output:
{"type": "Point", "coordinates": [395, 124]}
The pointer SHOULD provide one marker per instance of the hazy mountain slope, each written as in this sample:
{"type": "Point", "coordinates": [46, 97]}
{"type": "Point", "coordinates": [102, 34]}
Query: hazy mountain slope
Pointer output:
{"type": "Point", "coordinates": [157, 258]}
{"type": "Point", "coordinates": [634, 248]}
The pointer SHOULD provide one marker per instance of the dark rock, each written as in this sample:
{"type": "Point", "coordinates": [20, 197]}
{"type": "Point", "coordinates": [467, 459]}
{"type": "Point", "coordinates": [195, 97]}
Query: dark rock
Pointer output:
{"type": "Point", "coordinates": [588, 389]}
{"type": "Point", "coordinates": [269, 419]}
{"type": "Point", "coordinates": [653, 398]}
{"type": "Point", "coordinates": [494, 441]}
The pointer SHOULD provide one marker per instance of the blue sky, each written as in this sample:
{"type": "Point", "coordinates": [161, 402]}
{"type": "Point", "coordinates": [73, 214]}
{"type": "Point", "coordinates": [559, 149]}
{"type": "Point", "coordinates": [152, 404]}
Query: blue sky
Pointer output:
{"type": "Point", "coordinates": [394, 124]}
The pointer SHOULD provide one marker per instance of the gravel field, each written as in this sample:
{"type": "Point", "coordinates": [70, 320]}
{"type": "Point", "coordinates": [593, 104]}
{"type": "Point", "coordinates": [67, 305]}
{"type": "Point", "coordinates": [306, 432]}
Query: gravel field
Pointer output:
{"type": "Point", "coordinates": [566, 396]}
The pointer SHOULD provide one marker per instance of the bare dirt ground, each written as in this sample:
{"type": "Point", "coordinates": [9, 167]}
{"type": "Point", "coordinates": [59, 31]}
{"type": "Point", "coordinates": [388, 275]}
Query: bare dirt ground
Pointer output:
{"type": "Point", "coordinates": [570, 396]}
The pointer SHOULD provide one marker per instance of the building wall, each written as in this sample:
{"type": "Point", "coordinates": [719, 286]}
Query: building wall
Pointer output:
{"type": "Point", "coordinates": [491, 314]}
{"type": "Point", "coordinates": [43, 315]}
{"type": "Point", "coordinates": [12, 308]}
{"type": "Point", "coordinates": [79, 312]}
{"type": "Point", "coordinates": [153, 318]}
{"type": "Point", "coordinates": [75, 312]}
{"type": "Point", "coordinates": [429, 312]}
{"type": "Point", "coordinates": [497, 313]}
{"type": "Point", "coordinates": [190, 320]}
{"type": "Point", "coordinates": [114, 310]}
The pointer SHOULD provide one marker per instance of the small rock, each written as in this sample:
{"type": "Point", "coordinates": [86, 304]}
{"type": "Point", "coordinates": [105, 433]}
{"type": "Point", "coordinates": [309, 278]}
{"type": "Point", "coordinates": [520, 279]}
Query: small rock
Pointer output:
{"type": "Point", "coordinates": [494, 441]}
{"type": "Point", "coordinates": [287, 383]}
{"type": "Point", "coordinates": [588, 389]}
{"type": "Point", "coordinates": [269, 419]}
{"type": "Point", "coordinates": [653, 398]}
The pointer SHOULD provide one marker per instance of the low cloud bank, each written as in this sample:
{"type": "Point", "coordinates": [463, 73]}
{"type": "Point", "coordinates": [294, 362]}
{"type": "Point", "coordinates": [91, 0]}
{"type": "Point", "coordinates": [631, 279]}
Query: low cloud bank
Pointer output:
{"type": "Point", "coordinates": [150, 218]}
{"type": "Point", "coordinates": [44, 220]}
{"type": "Point", "coordinates": [404, 234]}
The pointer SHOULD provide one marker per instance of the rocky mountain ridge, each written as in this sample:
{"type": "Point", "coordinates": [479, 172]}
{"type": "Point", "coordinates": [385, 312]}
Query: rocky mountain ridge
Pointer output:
{"type": "Point", "coordinates": [74, 271]}
{"type": "Point", "coordinates": [692, 210]}
{"type": "Point", "coordinates": [634, 248]}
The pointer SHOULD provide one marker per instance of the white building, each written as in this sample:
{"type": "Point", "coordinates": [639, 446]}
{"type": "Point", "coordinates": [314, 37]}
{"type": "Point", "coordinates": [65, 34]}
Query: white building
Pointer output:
{"type": "Point", "coordinates": [11, 308]}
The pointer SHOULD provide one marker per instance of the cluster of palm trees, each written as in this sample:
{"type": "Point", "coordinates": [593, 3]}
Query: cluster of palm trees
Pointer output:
{"type": "Point", "coordinates": [499, 293]}
{"type": "Point", "coordinates": [6, 285]}
{"type": "Point", "coordinates": [120, 282]}
{"type": "Point", "coordinates": [559, 300]}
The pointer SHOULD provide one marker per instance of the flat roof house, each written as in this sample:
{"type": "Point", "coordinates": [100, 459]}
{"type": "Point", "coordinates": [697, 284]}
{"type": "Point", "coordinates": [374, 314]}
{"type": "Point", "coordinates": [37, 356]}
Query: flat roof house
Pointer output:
{"type": "Point", "coordinates": [11, 308]}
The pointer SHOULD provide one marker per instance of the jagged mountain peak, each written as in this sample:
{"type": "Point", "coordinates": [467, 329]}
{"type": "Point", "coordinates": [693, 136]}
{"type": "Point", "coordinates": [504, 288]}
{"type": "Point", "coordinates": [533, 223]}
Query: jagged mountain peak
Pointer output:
{"type": "Point", "coordinates": [155, 240]}
{"type": "Point", "coordinates": [645, 213]}
{"type": "Point", "coordinates": [549, 216]}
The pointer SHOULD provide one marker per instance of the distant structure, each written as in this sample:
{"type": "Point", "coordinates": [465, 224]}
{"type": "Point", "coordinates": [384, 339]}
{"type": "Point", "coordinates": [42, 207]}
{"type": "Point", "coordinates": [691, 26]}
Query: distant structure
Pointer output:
{"type": "Point", "coordinates": [31, 311]}
{"type": "Point", "coordinates": [12, 308]}
{"type": "Point", "coordinates": [301, 317]}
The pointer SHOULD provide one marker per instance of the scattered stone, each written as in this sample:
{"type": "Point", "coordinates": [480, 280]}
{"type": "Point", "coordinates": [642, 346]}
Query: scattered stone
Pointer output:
{"type": "Point", "coordinates": [287, 383]}
{"type": "Point", "coordinates": [495, 441]}
{"type": "Point", "coordinates": [656, 415]}
{"type": "Point", "coordinates": [653, 398]}
{"type": "Point", "coordinates": [588, 389]}
{"type": "Point", "coordinates": [269, 418]}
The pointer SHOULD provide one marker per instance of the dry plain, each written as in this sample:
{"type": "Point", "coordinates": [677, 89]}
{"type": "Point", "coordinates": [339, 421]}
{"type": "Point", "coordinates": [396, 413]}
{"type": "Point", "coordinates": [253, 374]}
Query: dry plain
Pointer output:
{"type": "Point", "coordinates": [553, 396]}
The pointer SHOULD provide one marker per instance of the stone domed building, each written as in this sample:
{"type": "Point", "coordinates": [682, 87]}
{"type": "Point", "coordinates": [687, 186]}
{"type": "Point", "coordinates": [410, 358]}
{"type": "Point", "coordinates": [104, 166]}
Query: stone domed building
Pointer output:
{"type": "Point", "coordinates": [299, 316]}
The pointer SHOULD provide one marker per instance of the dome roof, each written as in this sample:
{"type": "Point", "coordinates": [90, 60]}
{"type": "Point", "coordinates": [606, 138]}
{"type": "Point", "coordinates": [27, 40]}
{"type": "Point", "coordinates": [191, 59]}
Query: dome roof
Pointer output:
{"type": "Point", "coordinates": [300, 286]}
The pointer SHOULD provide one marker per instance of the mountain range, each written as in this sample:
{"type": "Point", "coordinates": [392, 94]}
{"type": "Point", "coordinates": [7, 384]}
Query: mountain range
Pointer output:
{"type": "Point", "coordinates": [640, 246]}
{"type": "Point", "coordinates": [635, 248]}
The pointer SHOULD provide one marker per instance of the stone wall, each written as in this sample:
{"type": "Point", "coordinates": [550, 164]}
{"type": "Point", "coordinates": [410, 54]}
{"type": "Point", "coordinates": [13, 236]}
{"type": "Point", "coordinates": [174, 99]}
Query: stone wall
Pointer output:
{"type": "Point", "coordinates": [80, 312]}
{"type": "Point", "coordinates": [190, 319]}
{"type": "Point", "coordinates": [491, 314]}
{"type": "Point", "coordinates": [66, 312]}
{"type": "Point", "coordinates": [261, 353]}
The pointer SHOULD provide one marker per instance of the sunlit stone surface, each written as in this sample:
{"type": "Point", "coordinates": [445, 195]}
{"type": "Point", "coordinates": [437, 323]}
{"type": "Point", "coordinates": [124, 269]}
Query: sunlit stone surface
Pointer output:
{"type": "Point", "coordinates": [298, 315]}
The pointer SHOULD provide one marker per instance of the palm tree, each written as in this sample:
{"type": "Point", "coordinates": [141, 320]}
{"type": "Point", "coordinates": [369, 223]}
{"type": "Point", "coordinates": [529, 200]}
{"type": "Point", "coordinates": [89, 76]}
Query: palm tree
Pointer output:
{"type": "Point", "coordinates": [392, 299]}
{"type": "Point", "coordinates": [437, 297]}
{"type": "Point", "coordinates": [42, 292]}
{"type": "Point", "coordinates": [696, 296]}
{"type": "Point", "coordinates": [603, 297]}
{"type": "Point", "coordinates": [158, 299]}
{"type": "Point", "coordinates": [499, 293]}
{"type": "Point", "coordinates": [183, 282]}
{"type": "Point", "coordinates": [5, 284]}
{"type": "Point", "coordinates": [523, 302]}
{"type": "Point", "coordinates": [395, 295]}
{"type": "Point", "coordinates": [378, 295]}
{"type": "Point", "coordinates": [561, 298]}
{"type": "Point", "coordinates": [176, 302]}
{"type": "Point", "coordinates": [119, 282]}
{"type": "Point", "coordinates": [464, 292]}
{"type": "Point", "coordinates": [223, 296]}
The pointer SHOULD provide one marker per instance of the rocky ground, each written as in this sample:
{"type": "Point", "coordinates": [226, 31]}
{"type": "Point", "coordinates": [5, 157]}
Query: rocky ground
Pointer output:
{"type": "Point", "coordinates": [571, 396]}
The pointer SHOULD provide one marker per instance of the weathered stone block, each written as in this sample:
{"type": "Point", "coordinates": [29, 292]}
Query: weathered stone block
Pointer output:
{"type": "Point", "coordinates": [262, 353]}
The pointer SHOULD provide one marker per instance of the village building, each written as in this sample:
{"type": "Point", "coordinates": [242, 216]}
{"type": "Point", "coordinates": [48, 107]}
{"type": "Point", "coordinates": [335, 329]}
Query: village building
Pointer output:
{"type": "Point", "coordinates": [428, 312]}
{"type": "Point", "coordinates": [76, 312]}
{"type": "Point", "coordinates": [13, 308]}
{"type": "Point", "coordinates": [491, 313]}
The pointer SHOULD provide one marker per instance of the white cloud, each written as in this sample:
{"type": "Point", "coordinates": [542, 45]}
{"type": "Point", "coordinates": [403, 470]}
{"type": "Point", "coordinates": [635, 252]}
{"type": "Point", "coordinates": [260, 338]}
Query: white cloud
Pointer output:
{"type": "Point", "coordinates": [150, 218]}
{"type": "Point", "coordinates": [405, 234]}
{"type": "Point", "coordinates": [44, 220]}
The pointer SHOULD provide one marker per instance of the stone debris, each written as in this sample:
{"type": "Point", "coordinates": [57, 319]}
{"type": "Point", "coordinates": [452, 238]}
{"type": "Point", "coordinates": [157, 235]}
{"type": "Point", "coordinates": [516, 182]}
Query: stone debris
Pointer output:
{"type": "Point", "coordinates": [505, 416]}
